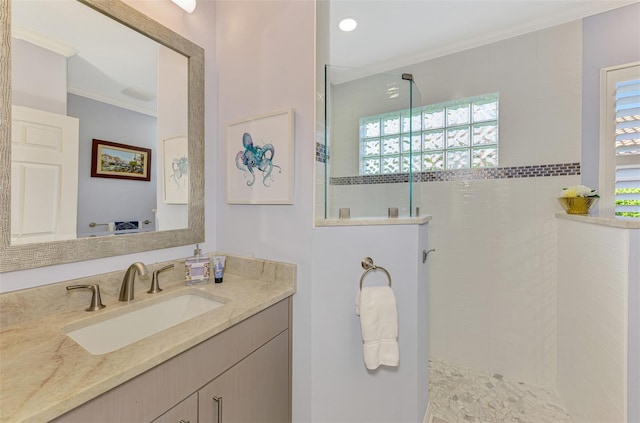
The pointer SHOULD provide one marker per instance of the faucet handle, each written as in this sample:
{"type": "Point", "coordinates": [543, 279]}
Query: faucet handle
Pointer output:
{"type": "Point", "coordinates": [96, 301]}
{"type": "Point", "coordinates": [155, 280]}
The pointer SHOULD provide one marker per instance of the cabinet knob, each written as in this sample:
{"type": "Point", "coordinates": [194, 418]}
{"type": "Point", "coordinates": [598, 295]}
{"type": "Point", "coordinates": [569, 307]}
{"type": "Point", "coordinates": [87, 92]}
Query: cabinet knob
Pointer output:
{"type": "Point", "coordinates": [184, 421]}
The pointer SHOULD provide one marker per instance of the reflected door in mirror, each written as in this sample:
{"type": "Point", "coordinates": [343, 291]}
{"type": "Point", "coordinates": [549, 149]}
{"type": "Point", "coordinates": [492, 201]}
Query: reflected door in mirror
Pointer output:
{"type": "Point", "coordinates": [44, 176]}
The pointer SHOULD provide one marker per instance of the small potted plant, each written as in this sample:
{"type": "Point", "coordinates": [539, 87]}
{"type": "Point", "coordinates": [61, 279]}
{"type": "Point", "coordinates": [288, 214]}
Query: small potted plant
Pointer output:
{"type": "Point", "coordinates": [578, 199]}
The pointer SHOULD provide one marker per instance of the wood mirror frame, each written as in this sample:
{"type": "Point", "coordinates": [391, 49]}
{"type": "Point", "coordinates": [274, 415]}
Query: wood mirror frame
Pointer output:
{"type": "Point", "coordinates": [27, 256]}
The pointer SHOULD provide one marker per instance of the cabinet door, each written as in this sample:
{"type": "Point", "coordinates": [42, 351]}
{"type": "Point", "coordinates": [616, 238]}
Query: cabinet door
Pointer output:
{"type": "Point", "coordinates": [254, 390]}
{"type": "Point", "coordinates": [185, 412]}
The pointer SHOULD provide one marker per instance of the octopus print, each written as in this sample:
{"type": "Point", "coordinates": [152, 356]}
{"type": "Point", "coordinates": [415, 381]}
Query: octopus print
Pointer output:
{"type": "Point", "coordinates": [256, 158]}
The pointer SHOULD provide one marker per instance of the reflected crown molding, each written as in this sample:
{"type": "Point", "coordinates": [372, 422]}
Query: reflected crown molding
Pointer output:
{"type": "Point", "coordinates": [44, 41]}
{"type": "Point", "coordinates": [71, 89]}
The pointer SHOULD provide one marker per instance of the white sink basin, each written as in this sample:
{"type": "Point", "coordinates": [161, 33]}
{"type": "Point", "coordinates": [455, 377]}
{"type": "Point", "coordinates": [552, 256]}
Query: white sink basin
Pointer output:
{"type": "Point", "coordinates": [125, 329]}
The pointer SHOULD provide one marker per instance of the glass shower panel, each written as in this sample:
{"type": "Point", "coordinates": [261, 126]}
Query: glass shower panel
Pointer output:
{"type": "Point", "coordinates": [372, 143]}
{"type": "Point", "coordinates": [415, 130]}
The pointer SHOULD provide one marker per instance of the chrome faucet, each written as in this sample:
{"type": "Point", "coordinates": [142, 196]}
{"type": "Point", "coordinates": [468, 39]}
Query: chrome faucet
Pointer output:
{"type": "Point", "coordinates": [126, 290]}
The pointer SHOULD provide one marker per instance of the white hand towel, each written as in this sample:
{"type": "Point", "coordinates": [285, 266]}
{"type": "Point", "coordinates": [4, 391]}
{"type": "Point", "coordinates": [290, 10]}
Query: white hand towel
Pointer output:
{"type": "Point", "coordinates": [378, 313]}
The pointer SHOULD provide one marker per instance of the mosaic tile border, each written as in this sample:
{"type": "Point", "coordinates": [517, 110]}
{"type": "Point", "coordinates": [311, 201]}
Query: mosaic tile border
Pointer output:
{"type": "Point", "coordinates": [322, 153]}
{"type": "Point", "coordinates": [533, 171]}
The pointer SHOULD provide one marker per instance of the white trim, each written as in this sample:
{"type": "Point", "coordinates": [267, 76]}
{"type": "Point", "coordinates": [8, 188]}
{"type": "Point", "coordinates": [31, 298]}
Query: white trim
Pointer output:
{"type": "Point", "coordinates": [428, 415]}
{"type": "Point", "coordinates": [46, 42]}
{"type": "Point", "coordinates": [607, 166]}
{"type": "Point", "coordinates": [112, 101]}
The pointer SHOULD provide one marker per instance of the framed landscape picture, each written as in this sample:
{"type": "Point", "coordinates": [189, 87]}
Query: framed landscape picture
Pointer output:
{"type": "Point", "coordinates": [114, 160]}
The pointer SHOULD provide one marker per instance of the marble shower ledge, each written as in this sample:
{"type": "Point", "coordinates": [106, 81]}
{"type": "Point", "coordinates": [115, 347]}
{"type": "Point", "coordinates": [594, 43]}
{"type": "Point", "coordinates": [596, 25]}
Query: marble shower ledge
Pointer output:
{"type": "Point", "coordinates": [603, 220]}
{"type": "Point", "coordinates": [44, 374]}
{"type": "Point", "coordinates": [374, 221]}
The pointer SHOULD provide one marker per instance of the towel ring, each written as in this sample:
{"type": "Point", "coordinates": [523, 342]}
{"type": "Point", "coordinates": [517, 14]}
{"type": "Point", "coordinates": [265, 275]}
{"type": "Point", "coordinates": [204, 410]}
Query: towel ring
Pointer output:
{"type": "Point", "coordinates": [367, 264]}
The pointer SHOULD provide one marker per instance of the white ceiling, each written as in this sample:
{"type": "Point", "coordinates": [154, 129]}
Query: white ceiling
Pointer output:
{"type": "Point", "coordinates": [396, 33]}
{"type": "Point", "coordinates": [390, 34]}
{"type": "Point", "coordinates": [106, 60]}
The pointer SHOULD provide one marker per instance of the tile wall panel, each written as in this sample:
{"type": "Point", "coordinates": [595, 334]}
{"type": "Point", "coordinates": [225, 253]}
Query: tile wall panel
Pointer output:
{"type": "Point", "coordinates": [493, 274]}
{"type": "Point", "coordinates": [592, 320]}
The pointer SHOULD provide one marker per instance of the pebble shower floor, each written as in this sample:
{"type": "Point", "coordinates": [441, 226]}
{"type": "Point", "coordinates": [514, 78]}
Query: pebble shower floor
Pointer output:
{"type": "Point", "coordinates": [462, 395]}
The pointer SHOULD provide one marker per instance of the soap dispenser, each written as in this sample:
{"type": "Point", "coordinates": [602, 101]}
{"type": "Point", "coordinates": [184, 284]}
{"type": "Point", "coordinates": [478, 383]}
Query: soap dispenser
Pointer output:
{"type": "Point", "coordinates": [197, 268]}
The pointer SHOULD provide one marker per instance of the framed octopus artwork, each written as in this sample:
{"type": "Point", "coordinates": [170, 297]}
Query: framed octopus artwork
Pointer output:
{"type": "Point", "coordinates": [260, 159]}
{"type": "Point", "coordinates": [175, 170]}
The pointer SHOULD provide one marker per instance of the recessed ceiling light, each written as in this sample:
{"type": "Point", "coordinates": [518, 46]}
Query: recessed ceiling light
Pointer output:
{"type": "Point", "coordinates": [348, 24]}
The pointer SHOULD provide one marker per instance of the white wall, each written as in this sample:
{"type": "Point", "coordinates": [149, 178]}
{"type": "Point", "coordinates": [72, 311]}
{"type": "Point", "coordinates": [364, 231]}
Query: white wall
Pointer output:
{"type": "Point", "coordinates": [173, 122]}
{"type": "Point", "coordinates": [198, 28]}
{"type": "Point", "coordinates": [633, 330]}
{"type": "Point", "coordinates": [603, 47]}
{"type": "Point", "coordinates": [104, 200]}
{"type": "Point", "coordinates": [38, 78]}
{"type": "Point", "coordinates": [265, 59]}
{"type": "Point", "coordinates": [343, 390]}
{"type": "Point", "coordinates": [593, 318]}
{"type": "Point", "coordinates": [538, 77]}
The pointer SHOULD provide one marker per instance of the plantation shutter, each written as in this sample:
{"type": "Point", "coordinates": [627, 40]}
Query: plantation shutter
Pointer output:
{"type": "Point", "coordinates": [627, 149]}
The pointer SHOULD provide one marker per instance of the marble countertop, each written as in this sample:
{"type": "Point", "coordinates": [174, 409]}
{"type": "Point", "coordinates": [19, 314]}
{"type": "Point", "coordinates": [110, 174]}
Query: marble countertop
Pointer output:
{"type": "Point", "coordinates": [43, 373]}
{"type": "Point", "coordinates": [374, 221]}
{"type": "Point", "coordinates": [602, 219]}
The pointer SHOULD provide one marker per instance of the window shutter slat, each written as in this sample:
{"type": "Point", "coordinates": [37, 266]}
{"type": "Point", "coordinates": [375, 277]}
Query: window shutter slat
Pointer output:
{"type": "Point", "coordinates": [627, 149]}
{"type": "Point", "coordinates": [627, 127]}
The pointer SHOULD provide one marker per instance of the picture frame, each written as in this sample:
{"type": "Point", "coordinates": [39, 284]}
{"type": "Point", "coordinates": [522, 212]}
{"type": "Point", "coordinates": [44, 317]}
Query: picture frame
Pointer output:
{"type": "Point", "coordinates": [260, 159]}
{"type": "Point", "coordinates": [175, 170]}
{"type": "Point", "coordinates": [120, 161]}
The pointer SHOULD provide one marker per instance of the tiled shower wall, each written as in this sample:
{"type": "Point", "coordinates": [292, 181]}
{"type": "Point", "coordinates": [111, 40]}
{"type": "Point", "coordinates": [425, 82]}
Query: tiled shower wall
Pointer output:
{"type": "Point", "coordinates": [493, 275]}
{"type": "Point", "coordinates": [595, 278]}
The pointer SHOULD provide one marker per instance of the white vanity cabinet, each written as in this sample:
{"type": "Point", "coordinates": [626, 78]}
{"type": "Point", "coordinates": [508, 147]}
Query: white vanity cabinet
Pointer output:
{"type": "Point", "coordinates": [246, 367]}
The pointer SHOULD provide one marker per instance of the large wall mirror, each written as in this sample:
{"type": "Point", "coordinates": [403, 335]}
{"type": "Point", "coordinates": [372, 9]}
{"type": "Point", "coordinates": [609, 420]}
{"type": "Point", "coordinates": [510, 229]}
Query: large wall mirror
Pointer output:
{"type": "Point", "coordinates": [101, 133]}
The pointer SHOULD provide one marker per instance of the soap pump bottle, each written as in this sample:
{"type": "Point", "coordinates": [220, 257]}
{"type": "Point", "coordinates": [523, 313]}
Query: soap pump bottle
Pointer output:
{"type": "Point", "coordinates": [197, 268]}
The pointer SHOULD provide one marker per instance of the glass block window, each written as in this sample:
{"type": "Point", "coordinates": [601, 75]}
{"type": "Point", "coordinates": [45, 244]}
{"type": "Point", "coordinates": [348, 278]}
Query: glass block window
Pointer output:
{"type": "Point", "coordinates": [461, 134]}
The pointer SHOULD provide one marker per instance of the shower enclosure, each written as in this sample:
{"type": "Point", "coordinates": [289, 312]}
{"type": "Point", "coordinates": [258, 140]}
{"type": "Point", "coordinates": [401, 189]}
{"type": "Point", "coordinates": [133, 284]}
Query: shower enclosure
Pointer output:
{"type": "Point", "coordinates": [369, 161]}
